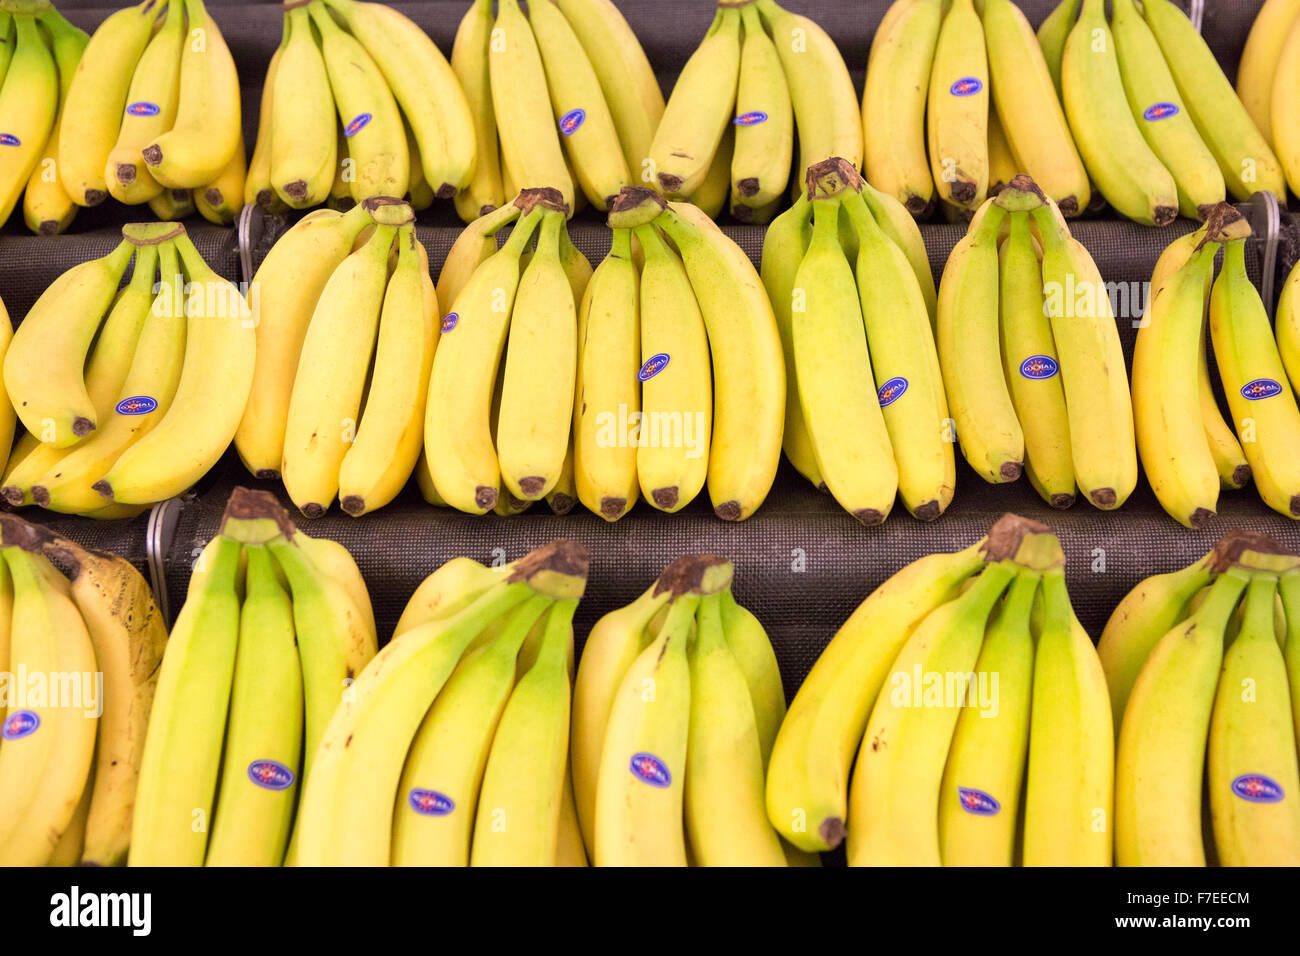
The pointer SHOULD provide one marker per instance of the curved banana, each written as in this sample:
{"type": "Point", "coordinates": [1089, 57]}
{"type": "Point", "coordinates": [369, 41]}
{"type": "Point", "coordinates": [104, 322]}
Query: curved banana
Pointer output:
{"type": "Point", "coordinates": [47, 207]}
{"type": "Point", "coordinates": [29, 105]}
{"type": "Point", "coordinates": [1053, 33]}
{"type": "Point", "coordinates": [257, 184]}
{"type": "Point", "coordinates": [1260, 59]}
{"type": "Point", "coordinates": [1287, 327]}
{"type": "Point", "coordinates": [1120, 162]}
{"type": "Point", "coordinates": [194, 151]}
{"type": "Point", "coordinates": [958, 109]}
{"type": "Point", "coordinates": [469, 61]}
{"type": "Point", "coordinates": [303, 137]}
{"type": "Point", "coordinates": [475, 244]}
{"type": "Point", "coordinates": [764, 121]}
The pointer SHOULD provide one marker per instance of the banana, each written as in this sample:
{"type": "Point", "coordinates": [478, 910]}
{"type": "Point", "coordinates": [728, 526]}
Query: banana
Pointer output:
{"type": "Point", "coordinates": [821, 91]}
{"type": "Point", "coordinates": [958, 109]}
{"type": "Point", "coordinates": [372, 123]}
{"type": "Point", "coordinates": [1252, 767]}
{"type": "Point", "coordinates": [675, 427]}
{"type": "Point", "coordinates": [1003, 165]}
{"type": "Point", "coordinates": [530, 142]}
{"type": "Point", "coordinates": [198, 146]}
{"type": "Point", "coordinates": [1069, 783]}
{"type": "Point", "coordinates": [457, 424]}
{"type": "Point", "coordinates": [330, 383]}
{"type": "Point", "coordinates": [606, 385]}
{"type": "Point", "coordinates": [519, 805]}
{"type": "Point", "coordinates": [895, 795]}
{"type": "Point", "coordinates": [1160, 114]}
{"type": "Point", "coordinates": [1170, 435]}
{"type": "Point", "coordinates": [1029, 108]}
{"type": "Point", "coordinates": [447, 590]}
{"type": "Point", "coordinates": [8, 418]}
{"type": "Point", "coordinates": [1052, 35]}
{"type": "Point", "coordinates": [439, 789]}
{"type": "Point", "coordinates": [764, 121]}
{"type": "Point", "coordinates": [257, 184]}
{"type": "Point", "coordinates": [980, 795]}
{"type": "Point", "coordinates": [6, 42]}
{"type": "Point", "coordinates": [1247, 162]}
{"type": "Point", "coordinates": [699, 109]}
{"type": "Point", "coordinates": [906, 367]}
{"type": "Point", "coordinates": [808, 774]}
{"type": "Point", "coordinates": [97, 99]}
{"type": "Point", "coordinates": [784, 245]}
{"type": "Point", "coordinates": [150, 110]}
{"type": "Point", "coordinates": [469, 61]}
{"type": "Point", "coordinates": [1145, 615]}
{"type": "Point", "coordinates": [748, 374]}
{"type": "Point", "coordinates": [345, 817]}
{"type": "Point", "coordinates": [640, 789]}
{"type": "Point", "coordinates": [627, 79]}
{"type": "Point", "coordinates": [146, 392]}
{"type": "Point", "coordinates": [44, 364]}
{"type": "Point", "coordinates": [723, 789]}
{"type": "Point", "coordinates": [893, 103]}
{"type": "Point", "coordinates": [1254, 378]}
{"type": "Point", "coordinates": [182, 752]}
{"type": "Point", "coordinates": [614, 643]}
{"type": "Point", "coordinates": [590, 138]}
{"type": "Point", "coordinates": [714, 192]}
{"type": "Point", "coordinates": [979, 399]}
{"type": "Point", "coordinates": [1030, 363]}
{"type": "Point", "coordinates": [287, 285]}
{"type": "Point", "coordinates": [49, 745]}
{"type": "Point", "coordinates": [476, 242]}
{"type": "Point", "coordinates": [1161, 750]}
{"type": "Point", "coordinates": [221, 200]}
{"type": "Point", "coordinates": [898, 224]}
{"type": "Point", "coordinates": [1260, 59]}
{"type": "Point", "coordinates": [426, 88]}
{"type": "Point", "coordinates": [1097, 398]}
{"type": "Point", "coordinates": [1287, 327]}
{"type": "Point", "coordinates": [391, 433]}
{"type": "Point", "coordinates": [562, 498]}
{"type": "Point", "coordinates": [210, 397]}
{"type": "Point", "coordinates": [541, 360]}
{"type": "Point", "coordinates": [1289, 591]}
{"type": "Point", "coordinates": [1117, 156]}
{"type": "Point", "coordinates": [173, 205]}
{"type": "Point", "coordinates": [261, 761]}
{"type": "Point", "coordinates": [304, 138]}
{"type": "Point", "coordinates": [67, 852]}
{"type": "Point", "coordinates": [749, 644]}
{"type": "Point", "coordinates": [47, 207]}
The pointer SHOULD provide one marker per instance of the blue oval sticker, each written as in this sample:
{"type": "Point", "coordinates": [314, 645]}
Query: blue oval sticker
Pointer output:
{"type": "Point", "coordinates": [143, 108]}
{"type": "Point", "coordinates": [966, 86]}
{"type": "Point", "coordinates": [653, 366]}
{"type": "Point", "coordinates": [1257, 788]}
{"type": "Point", "coordinates": [650, 769]}
{"type": "Point", "coordinates": [571, 120]}
{"type": "Point", "coordinates": [270, 774]}
{"type": "Point", "coordinates": [430, 803]}
{"type": "Point", "coordinates": [752, 118]}
{"type": "Point", "coordinates": [1159, 111]}
{"type": "Point", "coordinates": [891, 391]}
{"type": "Point", "coordinates": [9, 139]}
{"type": "Point", "coordinates": [1261, 388]}
{"type": "Point", "coordinates": [1039, 367]}
{"type": "Point", "coordinates": [449, 321]}
{"type": "Point", "coordinates": [978, 802]}
{"type": "Point", "coordinates": [20, 724]}
{"type": "Point", "coordinates": [357, 125]}
{"type": "Point", "coordinates": [136, 405]}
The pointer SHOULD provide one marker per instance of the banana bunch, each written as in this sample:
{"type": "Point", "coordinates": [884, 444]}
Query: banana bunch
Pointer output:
{"type": "Point", "coordinates": [451, 746]}
{"type": "Point", "coordinates": [679, 379]}
{"type": "Point", "coordinates": [358, 102]}
{"type": "Point", "coordinates": [152, 115]}
{"type": "Point", "coordinates": [676, 778]}
{"type": "Point", "coordinates": [563, 97]}
{"type": "Point", "coordinates": [729, 126]}
{"type": "Point", "coordinates": [1031, 355]}
{"type": "Point", "coordinates": [958, 102]}
{"type": "Point", "coordinates": [346, 320]}
{"type": "Point", "coordinates": [1203, 666]}
{"type": "Point", "coordinates": [866, 417]}
{"type": "Point", "coordinates": [1269, 78]}
{"type": "Point", "coordinates": [274, 627]}
{"type": "Point", "coordinates": [978, 710]}
{"type": "Point", "coordinates": [84, 625]}
{"type": "Point", "coordinates": [41, 51]}
{"type": "Point", "coordinates": [1188, 450]}
{"type": "Point", "coordinates": [1159, 126]}
{"type": "Point", "coordinates": [127, 396]}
